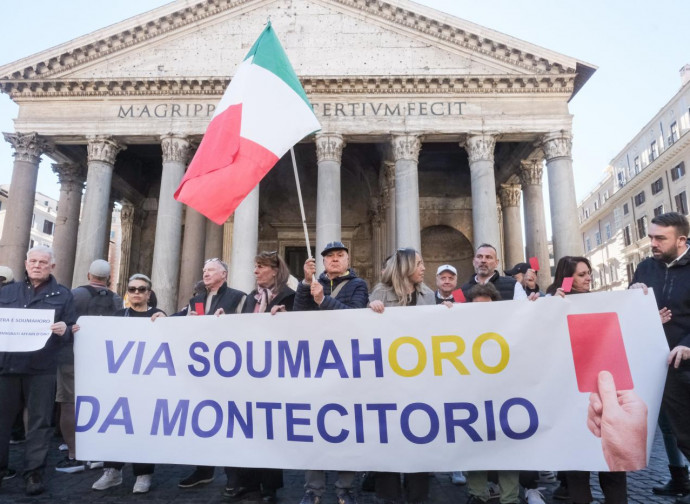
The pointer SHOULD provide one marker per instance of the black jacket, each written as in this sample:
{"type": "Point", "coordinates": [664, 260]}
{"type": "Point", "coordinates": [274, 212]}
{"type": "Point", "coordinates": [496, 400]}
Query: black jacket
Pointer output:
{"type": "Point", "coordinates": [226, 298]}
{"type": "Point", "coordinates": [504, 285]}
{"type": "Point", "coordinates": [50, 296]}
{"type": "Point", "coordinates": [354, 294]}
{"type": "Point", "coordinates": [672, 290]}
{"type": "Point", "coordinates": [285, 297]}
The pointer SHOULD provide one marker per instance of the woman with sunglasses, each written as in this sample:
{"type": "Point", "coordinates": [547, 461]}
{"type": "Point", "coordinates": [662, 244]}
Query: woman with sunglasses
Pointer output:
{"type": "Point", "coordinates": [139, 295]}
{"type": "Point", "coordinates": [402, 284]}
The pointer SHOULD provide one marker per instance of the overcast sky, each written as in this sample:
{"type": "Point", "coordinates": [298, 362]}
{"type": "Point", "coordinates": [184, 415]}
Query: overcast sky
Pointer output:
{"type": "Point", "coordinates": [639, 47]}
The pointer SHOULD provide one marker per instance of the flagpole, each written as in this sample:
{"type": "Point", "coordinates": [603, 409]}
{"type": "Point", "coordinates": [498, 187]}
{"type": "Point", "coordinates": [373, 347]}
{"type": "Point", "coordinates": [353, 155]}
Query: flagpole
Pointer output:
{"type": "Point", "coordinates": [301, 203]}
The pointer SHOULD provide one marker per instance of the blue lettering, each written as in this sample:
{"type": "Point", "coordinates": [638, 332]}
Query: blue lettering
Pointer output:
{"type": "Point", "coordinates": [166, 363]}
{"type": "Point", "coordinates": [531, 412]}
{"type": "Point", "coordinates": [383, 425]}
{"type": "Point", "coordinates": [329, 348]}
{"type": "Point", "coordinates": [321, 423]}
{"type": "Point", "coordinates": [205, 364]}
{"type": "Point", "coordinates": [464, 423]}
{"type": "Point", "coordinates": [95, 410]}
{"type": "Point", "coordinates": [114, 365]}
{"type": "Point", "coordinates": [294, 365]}
{"type": "Point", "coordinates": [291, 421]}
{"type": "Point", "coordinates": [405, 423]}
{"type": "Point", "coordinates": [216, 425]}
{"type": "Point", "coordinates": [269, 407]}
{"type": "Point", "coordinates": [490, 421]}
{"type": "Point", "coordinates": [250, 360]}
{"type": "Point", "coordinates": [358, 357]}
{"type": "Point", "coordinates": [162, 415]}
{"type": "Point", "coordinates": [138, 358]}
{"type": "Point", "coordinates": [359, 424]}
{"type": "Point", "coordinates": [122, 404]}
{"type": "Point", "coordinates": [238, 359]}
{"type": "Point", "coordinates": [245, 423]}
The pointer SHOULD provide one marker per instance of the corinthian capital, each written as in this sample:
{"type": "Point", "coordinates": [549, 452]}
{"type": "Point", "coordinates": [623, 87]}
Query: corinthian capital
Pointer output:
{"type": "Point", "coordinates": [531, 172]}
{"type": "Point", "coordinates": [70, 174]}
{"type": "Point", "coordinates": [103, 148]}
{"type": "Point", "coordinates": [510, 195]}
{"type": "Point", "coordinates": [175, 148]}
{"type": "Point", "coordinates": [406, 146]}
{"type": "Point", "coordinates": [557, 144]}
{"type": "Point", "coordinates": [27, 147]}
{"type": "Point", "coordinates": [329, 147]}
{"type": "Point", "coordinates": [480, 147]}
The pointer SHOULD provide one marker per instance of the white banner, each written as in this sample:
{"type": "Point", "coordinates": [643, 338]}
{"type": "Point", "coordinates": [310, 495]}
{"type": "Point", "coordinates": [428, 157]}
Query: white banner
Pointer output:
{"type": "Point", "coordinates": [24, 330]}
{"type": "Point", "coordinates": [501, 385]}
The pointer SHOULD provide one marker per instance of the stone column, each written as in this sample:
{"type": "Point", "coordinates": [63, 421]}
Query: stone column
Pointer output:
{"type": "Point", "coordinates": [20, 205]}
{"type": "Point", "coordinates": [245, 240]}
{"type": "Point", "coordinates": [388, 197]}
{"type": "Point", "coordinates": [192, 261]}
{"type": "Point", "coordinates": [480, 153]}
{"type": "Point", "coordinates": [71, 177]}
{"type": "Point", "coordinates": [535, 222]}
{"type": "Point", "coordinates": [406, 155]}
{"type": "Point", "coordinates": [126, 228]}
{"type": "Point", "coordinates": [213, 247]}
{"type": "Point", "coordinates": [166, 248]}
{"type": "Point", "coordinates": [102, 152]}
{"type": "Point", "coordinates": [512, 225]}
{"type": "Point", "coordinates": [564, 222]}
{"type": "Point", "coordinates": [329, 150]}
{"type": "Point", "coordinates": [109, 227]}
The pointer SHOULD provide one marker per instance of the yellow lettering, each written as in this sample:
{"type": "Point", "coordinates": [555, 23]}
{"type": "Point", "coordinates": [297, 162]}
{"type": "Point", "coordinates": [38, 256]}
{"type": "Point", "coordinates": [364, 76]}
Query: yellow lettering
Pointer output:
{"type": "Point", "coordinates": [451, 356]}
{"type": "Point", "coordinates": [393, 356]}
{"type": "Point", "coordinates": [477, 353]}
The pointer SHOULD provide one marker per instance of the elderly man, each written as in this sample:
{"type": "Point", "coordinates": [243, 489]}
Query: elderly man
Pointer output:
{"type": "Point", "coordinates": [485, 264]}
{"type": "Point", "coordinates": [337, 288]}
{"type": "Point", "coordinates": [218, 299]}
{"type": "Point", "coordinates": [33, 373]}
{"type": "Point", "coordinates": [446, 283]}
{"type": "Point", "coordinates": [92, 299]}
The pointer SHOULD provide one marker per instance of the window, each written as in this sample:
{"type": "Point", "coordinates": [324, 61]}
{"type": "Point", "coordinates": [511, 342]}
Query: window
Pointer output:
{"type": "Point", "coordinates": [588, 244]}
{"type": "Point", "coordinates": [627, 238]}
{"type": "Point", "coordinates": [658, 210]}
{"type": "Point", "coordinates": [642, 227]}
{"type": "Point", "coordinates": [608, 230]}
{"type": "Point", "coordinates": [586, 213]}
{"type": "Point", "coordinates": [597, 238]}
{"type": "Point", "coordinates": [606, 195]}
{"type": "Point", "coordinates": [674, 133]}
{"type": "Point", "coordinates": [639, 198]}
{"type": "Point", "coordinates": [31, 244]}
{"type": "Point", "coordinates": [614, 273]}
{"type": "Point", "coordinates": [626, 209]}
{"type": "Point", "coordinates": [637, 165]}
{"type": "Point", "coordinates": [657, 186]}
{"type": "Point", "coordinates": [678, 171]}
{"type": "Point", "coordinates": [33, 221]}
{"type": "Point", "coordinates": [596, 205]}
{"type": "Point", "coordinates": [621, 178]}
{"type": "Point", "coordinates": [653, 151]}
{"type": "Point", "coordinates": [48, 227]}
{"type": "Point", "coordinates": [630, 270]}
{"type": "Point", "coordinates": [682, 203]}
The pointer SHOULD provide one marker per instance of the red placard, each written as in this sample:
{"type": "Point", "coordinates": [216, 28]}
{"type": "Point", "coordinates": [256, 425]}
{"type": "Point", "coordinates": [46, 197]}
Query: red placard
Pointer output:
{"type": "Point", "coordinates": [459, 296]}
{"type": "Point", "coordinates": [567, 284]}
{"type": "Point", "coordinates": [534, 263]}
{"type": "Point", "coordinates": [199, 308]}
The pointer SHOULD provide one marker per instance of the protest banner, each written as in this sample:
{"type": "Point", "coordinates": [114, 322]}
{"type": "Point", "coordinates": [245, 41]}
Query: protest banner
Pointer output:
{"type": "Point", "coordinates": [24, 330]}
{"type": "Point", "coordinates": [427, 388]}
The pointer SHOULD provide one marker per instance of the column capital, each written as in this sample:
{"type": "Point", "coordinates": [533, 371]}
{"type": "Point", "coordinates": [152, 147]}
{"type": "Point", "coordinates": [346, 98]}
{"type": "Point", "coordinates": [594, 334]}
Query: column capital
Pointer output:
{"type": "Point", "coordinates": [28, 146]}
{"type": "Point", "coordinates": [557, 144]}
{"type": "Point", "coordinates": [329, 147]}
{"type": "Point", "coordinates": [103, 148]}
{"type": "Point", "coordinates": [510, 195]}
{"type": "Point", "coordinates": [531, 171]}
{"type": "Point", "coordinates": [70, 173]}
{"type": "Point", "coordinates": [479, 147]}
{"type": "Point", "coordinates": [175, 148]}
{"type": "Point", "coordinates": [127, 213]}
{"type": "Point", "coordinates": [406, 146]}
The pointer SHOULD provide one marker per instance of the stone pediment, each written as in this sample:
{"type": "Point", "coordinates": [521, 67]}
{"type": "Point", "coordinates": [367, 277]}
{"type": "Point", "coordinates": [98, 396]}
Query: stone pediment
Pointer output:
{"type": "Point", "coordinates": [193, 47]}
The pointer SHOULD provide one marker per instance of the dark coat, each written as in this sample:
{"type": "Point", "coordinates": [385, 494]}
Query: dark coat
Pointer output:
{"type": "Point", "coordinates": [504, 285]}
{"type": "Point", "coordinates": [672, 290]}
{"type": "Point", "coordinates": [286, 297]}
{"type": "Point", "coordinates": [50, 296]}
{"type": "Point", "coordinates": [354, 294]}
{"type": "Point", "coordinates": [226, 298]}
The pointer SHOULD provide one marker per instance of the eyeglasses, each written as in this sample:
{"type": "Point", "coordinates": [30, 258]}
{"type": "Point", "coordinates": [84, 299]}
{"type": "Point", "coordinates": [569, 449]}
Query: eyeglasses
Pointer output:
{"type": "Point", "coordinates": [139, 290]}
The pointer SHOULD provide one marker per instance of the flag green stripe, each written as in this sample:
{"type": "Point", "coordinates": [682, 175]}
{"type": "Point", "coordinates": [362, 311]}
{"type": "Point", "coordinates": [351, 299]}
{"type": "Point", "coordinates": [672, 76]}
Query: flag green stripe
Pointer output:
{"type": "Point", "coordinates": [269, 54]}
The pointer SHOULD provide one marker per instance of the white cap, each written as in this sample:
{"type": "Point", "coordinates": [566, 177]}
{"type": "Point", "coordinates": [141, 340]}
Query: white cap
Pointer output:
{"type": "Point", "coordinates": [6, 272]}
{"type": "Point", "coordinates": [446, 267]}
{"type": "Point", "coordinates": [100, 268]}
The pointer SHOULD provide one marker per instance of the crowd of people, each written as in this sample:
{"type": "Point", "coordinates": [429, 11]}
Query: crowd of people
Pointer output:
{"type": "Point", "coordinates": [31, 383]}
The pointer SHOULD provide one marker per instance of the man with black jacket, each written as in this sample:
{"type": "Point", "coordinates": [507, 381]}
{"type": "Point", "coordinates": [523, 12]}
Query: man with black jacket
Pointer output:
{"type": "Point", "coordinates": [485, 264]}
{"type": "Point", "coordinates": [668, 273]}
{"type": "Point", "coordinates": [33, 373]}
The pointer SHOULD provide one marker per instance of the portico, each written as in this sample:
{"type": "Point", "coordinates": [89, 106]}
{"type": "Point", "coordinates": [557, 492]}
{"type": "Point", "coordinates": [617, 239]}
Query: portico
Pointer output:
{"type": "Point", "coordinates": [429, 144]}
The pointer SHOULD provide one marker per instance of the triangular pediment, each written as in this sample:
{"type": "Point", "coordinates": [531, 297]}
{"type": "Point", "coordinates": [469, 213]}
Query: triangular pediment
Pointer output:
{"type": "Point", "coordinates": [323, 39]}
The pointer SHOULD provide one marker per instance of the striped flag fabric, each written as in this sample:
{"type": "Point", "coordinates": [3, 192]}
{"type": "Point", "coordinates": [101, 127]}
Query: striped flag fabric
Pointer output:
{"type": "Point", "coordinates": [263, 113]}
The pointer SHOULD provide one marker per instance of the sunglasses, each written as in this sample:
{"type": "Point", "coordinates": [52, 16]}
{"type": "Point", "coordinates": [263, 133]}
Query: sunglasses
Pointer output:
{"type": "Point", "coordinates": [140, 290]}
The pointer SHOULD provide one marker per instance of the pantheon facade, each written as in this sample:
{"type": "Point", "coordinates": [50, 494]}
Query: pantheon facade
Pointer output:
{"type": "Point", "coordinates": [435, 132]}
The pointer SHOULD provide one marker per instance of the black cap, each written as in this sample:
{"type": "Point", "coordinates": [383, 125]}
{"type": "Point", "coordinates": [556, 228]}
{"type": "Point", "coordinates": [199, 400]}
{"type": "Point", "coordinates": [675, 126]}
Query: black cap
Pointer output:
{"type": "Point", "coordinates": [334, 245]}
{"type": "Point", "coordinates": [518, 268]}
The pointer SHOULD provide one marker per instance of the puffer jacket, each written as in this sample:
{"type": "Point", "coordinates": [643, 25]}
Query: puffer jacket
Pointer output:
{"type": "Point", "coordinates": [354, 294]}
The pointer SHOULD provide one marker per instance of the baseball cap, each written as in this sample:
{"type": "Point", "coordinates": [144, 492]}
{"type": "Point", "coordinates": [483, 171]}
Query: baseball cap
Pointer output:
{"type": "Point", "coordinates": [518, 268]}
{"type": "Point", "coordinates": [100, 268]}
{"type": "Point", "coordinates": [446, 267]}
{"type": "Point", "coordinates": [334, 245]}
{"type": "Point", "coordinates": [6, 273]}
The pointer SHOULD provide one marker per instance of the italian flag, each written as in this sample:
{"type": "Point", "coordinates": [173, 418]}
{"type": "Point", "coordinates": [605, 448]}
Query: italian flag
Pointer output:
{"type": "Point", "coordinates": [263, 113]}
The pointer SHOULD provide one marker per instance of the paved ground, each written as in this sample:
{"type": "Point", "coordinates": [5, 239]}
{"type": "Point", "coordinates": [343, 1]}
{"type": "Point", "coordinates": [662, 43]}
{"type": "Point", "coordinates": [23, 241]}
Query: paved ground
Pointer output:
{"type": "Point", "coordinates": [76, 488]}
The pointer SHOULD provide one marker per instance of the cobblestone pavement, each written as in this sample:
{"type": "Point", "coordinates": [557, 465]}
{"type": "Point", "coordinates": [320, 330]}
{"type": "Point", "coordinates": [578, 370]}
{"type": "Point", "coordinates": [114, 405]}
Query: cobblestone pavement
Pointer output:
{"type": "Point", "coordinates": [76, 488]}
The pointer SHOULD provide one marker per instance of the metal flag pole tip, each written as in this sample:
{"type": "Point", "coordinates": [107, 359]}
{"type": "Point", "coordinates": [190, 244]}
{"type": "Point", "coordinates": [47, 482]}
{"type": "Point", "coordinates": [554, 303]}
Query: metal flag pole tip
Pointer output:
{"type": "Point", "coordinates": [301, 203]}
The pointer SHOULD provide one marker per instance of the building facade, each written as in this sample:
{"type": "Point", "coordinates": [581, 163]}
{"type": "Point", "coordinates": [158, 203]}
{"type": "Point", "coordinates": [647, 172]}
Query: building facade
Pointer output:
{"type": "Point", "coordinates": [435, 131]}
{"type": "Point", "coordinates": [645, 179]}
{"type": "Point", "coordinates": [42, 219]}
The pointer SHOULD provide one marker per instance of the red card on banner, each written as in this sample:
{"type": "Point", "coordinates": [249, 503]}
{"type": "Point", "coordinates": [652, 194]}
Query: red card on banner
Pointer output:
{"type": "Point", "coordinates": [597, 344]}
{"type": "Point", "coordinates": [567, 284]}
{"type": "Point", "coordinates": [534, 263]}
{"type": "Point", "coordinates": [199, 308]}
{"type": "Point", "coordinates": [459, 296]}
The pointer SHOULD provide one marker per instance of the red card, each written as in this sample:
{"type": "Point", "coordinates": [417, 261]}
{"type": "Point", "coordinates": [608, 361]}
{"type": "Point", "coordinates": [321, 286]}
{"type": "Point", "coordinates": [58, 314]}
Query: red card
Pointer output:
{"type": "Point", "coordinates": [597, 344]}
{"type": "Point", "coordinates": [567, 284]}
{"type": "Point", "coordinates": [459, 296]}
{"type": "Point", "coordinates": [199, 308]}
{"type": "Point", "coordinates": [534, 263]}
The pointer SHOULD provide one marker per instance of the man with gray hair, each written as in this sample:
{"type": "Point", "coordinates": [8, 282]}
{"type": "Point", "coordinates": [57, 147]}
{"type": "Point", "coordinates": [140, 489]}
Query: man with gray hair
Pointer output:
{"type": "Point", "coordinates": [92, 299]}
{"type": "Point", "coordinates": [33, 373]}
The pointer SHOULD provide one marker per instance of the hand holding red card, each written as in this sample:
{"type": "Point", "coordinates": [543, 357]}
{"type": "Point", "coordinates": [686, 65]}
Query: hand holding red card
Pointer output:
{"type": "Point", "coordinates": [567, 284]}
{"type": "Point", "coordinates": [459, 296]}
{"type": "Point", "coordinates": [199, 308]}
